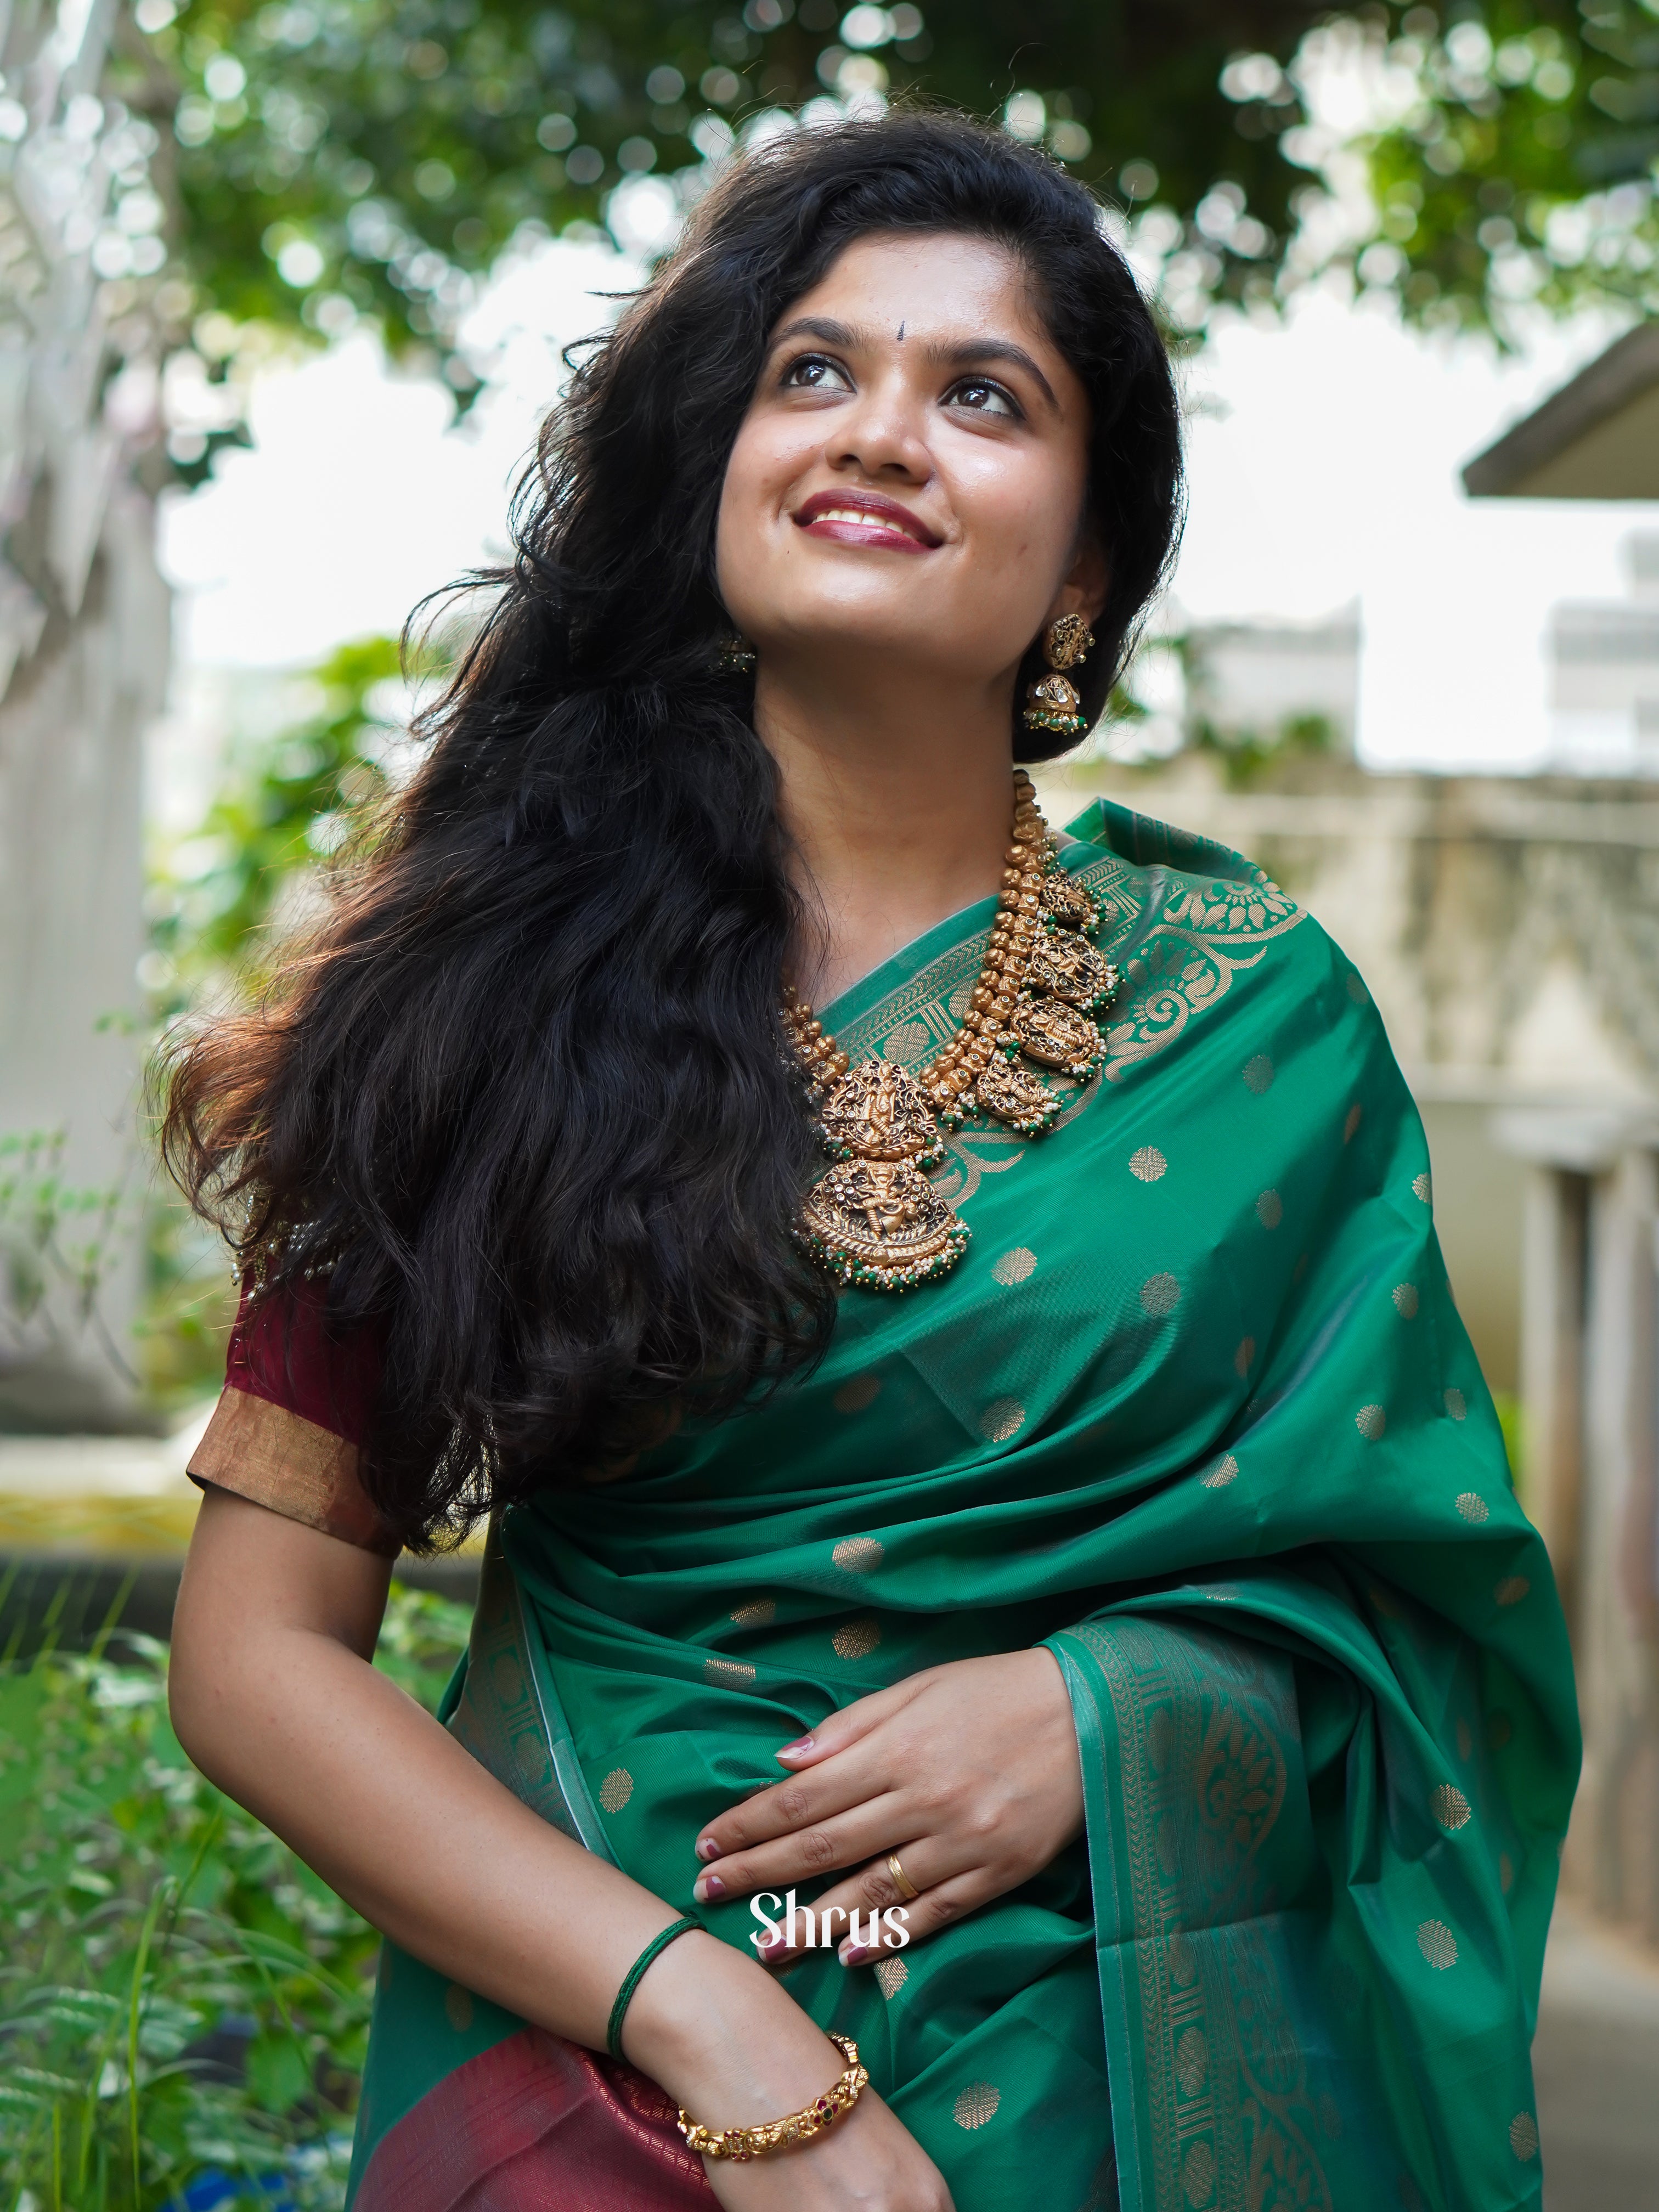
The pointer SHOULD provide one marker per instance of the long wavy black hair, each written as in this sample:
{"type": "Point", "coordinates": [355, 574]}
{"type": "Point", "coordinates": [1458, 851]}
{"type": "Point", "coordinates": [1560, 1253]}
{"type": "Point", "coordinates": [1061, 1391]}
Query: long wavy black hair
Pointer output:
{"type": "Point", "coordinates": [523, 1099]}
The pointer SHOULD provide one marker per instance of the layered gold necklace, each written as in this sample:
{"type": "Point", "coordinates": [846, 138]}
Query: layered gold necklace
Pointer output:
{"type": "Point", "coordinates": [874, 1218]}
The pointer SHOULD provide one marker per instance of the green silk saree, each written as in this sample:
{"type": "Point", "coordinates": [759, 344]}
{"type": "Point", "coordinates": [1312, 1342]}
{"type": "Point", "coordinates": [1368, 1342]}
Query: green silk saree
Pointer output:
{"type": "Point", "coordinates": [1196, 1410]}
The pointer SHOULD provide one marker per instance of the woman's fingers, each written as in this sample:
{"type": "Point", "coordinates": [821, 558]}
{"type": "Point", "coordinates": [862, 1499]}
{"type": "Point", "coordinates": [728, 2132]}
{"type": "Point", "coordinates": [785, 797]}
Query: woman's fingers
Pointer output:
{"type": "Point", "coordinates": [803, 1853]}
{"type": "Point", "coordinates": [874, 1887]}
{"type": "Point", "coordinates": [886, 1919]}
{"type": "Point", "coordinates": [830, 1782]}
{"type": "Point", "coordinates": [872, 1890]}
{"type": "Point", "coordinates": [934, 1908]}
{"type": "Point", "coordinates": [832, 1785]}
{"type": "Point", "coordinates": [845, 1727]}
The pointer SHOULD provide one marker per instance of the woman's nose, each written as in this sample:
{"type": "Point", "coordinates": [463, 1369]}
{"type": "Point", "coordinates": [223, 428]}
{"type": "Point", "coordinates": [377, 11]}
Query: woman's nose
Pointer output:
{"type": "Point", "coordinates": [882, 433]}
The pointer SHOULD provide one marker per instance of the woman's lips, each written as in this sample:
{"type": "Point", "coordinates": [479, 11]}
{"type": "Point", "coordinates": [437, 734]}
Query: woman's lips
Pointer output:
{"type": "Point", "coordinates": [865, 521]}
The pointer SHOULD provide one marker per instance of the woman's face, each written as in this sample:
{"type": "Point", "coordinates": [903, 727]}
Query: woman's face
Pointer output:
{"type": "Point", "coordinates": [910, 478]}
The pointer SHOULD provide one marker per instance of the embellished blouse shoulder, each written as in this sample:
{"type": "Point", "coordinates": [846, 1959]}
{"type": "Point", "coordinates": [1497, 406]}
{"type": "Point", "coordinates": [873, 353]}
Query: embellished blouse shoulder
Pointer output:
{"type": "Point", "coordinates": [288, 1430]}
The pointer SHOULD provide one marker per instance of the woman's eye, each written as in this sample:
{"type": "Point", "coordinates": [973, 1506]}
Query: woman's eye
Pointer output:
{"type": "Point", "coordinates": [983, 398]}
{"type": "Point", "coordinates": [815, 373]}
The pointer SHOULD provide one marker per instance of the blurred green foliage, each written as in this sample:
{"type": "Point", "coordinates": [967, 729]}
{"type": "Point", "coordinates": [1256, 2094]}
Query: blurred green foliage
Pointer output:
{"type": "Point", "coordinates": [178, 1995]}
{"type": "Point", "coordinates": [329, 159]}
{"type": "Point", "coordinates": [395, 142]}
{"type": "Point", "coordinates": [1511, 1415]}
{"type": "Point", "coordinates": [1525, 168]}
{"type": "Point", "coordinates": [189, 1305]}
{"type": "Point", "coordinates": [283, 805]}
{"type": "Point", "coordinates": [220, 902]}
{"type": "Point", "coordinates": [1245, 755]}
{"type": "Point", "coordinates": [58, 1244]}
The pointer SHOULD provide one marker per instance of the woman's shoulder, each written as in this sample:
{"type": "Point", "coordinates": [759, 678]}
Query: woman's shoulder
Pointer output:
{"type": "Point", "coordinates": [1143, 843]}
{"type": "Point", "coordinates": [1204, 937]}
{"type": "Point", "coordinates": [1150, 877]}
{"type": "Point", "coordinates": [291, 1424]}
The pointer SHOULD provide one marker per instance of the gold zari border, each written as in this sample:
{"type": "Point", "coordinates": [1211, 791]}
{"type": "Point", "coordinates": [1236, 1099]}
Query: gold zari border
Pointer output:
{"type": "Point", "coordinates": [279, 1460]}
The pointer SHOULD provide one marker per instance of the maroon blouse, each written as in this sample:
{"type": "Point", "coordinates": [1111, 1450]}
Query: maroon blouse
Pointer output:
{"type": "Point", "coordinates": [289, 1429]}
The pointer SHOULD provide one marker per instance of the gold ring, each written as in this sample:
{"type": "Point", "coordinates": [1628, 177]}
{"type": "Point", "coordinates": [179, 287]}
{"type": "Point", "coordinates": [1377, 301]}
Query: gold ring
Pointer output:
{"type": "Point", "coordinates": [901, 1882]}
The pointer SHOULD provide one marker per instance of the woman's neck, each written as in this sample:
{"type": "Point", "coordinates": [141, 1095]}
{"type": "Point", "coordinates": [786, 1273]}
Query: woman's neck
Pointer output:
{"type": "Point", "coordinates": [897, 796]}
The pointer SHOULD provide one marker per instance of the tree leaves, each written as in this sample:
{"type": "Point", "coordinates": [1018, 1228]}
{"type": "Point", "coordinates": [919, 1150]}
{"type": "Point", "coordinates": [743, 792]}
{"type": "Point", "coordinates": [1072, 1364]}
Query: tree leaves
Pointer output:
{"type": "Point", "coordinates": [339, 158]}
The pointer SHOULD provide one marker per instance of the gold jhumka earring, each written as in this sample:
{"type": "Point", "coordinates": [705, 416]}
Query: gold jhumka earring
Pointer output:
{"type": "Point", "coordinates": [1052, 703]}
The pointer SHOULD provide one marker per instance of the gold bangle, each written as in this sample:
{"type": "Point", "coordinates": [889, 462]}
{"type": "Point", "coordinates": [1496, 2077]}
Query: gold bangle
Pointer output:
{"type": "Point", "coordinates": [741, 2143]}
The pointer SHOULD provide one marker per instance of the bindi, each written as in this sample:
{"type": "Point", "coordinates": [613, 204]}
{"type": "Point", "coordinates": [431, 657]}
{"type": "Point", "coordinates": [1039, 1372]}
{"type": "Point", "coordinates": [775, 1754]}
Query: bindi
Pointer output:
{"type": "Point", "coordinates": [901, 334]}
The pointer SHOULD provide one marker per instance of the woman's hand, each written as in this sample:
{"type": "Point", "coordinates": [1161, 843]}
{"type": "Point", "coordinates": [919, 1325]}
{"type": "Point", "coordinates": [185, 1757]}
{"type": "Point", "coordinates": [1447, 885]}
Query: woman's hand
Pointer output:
{"type": "Point", "coordinates": [732, 2045]}
{"type": "Point", "coordinates": [968, 1772]}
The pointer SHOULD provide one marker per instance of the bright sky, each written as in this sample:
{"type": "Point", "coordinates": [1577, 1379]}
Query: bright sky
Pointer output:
{"type": "Point", "coordinates": [1324, 456]}
{"type": "Point", "coordinates": [1329, 471]}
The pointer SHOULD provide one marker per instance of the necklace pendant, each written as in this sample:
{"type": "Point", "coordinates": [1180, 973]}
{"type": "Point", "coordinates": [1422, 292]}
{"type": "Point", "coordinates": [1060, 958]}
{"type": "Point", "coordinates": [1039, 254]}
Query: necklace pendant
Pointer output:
{"type": "Point", "coordinates": [875, 1219]}
{"type": "Point", "coordinates": [881, 1225]}
{"type": "Point", "coordinates": [1064, 899]}
{"type": "Point", "coordinates": [1050, 1030]}
{"type": "Point", "coordinates": [1067, 968]}
{"type": "Point", "coordinates": [1015, 1096]}
{"type": "Point", "coordinates": [879, 1111]}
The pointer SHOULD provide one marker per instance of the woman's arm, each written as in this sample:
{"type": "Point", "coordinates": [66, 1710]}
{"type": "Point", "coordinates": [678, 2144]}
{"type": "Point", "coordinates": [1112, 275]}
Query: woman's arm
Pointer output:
{"type": "Point", "coordinates": [274, 1697]}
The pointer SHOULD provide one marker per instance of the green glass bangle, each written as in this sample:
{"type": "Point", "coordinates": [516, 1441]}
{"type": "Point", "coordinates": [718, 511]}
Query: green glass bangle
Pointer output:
{"type": "Point", "coordinates": [635, 1974]}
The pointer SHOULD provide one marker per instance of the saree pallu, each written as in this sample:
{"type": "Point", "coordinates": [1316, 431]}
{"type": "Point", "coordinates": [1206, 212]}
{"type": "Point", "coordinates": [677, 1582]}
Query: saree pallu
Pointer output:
{"type": "Point", "coordinates": [1196, 1412]}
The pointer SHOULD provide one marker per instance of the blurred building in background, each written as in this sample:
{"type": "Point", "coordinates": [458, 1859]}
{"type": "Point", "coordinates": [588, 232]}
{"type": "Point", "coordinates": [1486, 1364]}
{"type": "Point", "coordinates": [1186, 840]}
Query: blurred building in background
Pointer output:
{"type": "Point", "coordinates": [1247, 678]}
{"type": "Point", "coordinates": [1589, 1320]}
{"type": "Point", "coordinates": [1604, 674]}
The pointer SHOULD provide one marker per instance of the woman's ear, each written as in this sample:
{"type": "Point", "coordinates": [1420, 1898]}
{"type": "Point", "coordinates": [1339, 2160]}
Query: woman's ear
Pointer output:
{"type": "Point", "coordinates": [1087, 581]}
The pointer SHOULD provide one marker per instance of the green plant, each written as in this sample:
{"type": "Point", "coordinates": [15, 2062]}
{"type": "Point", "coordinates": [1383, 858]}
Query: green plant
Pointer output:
{"type": "Point", "coordinates": [58, 1244]}
{"type": "Point", "coordinates": [1519, 162]}
{"type": "Point", "coordinates": [1245, 755]}
{"type": "Point", "coordinates": [1510, 1420]}
{"type": "Point", "coordinates": [179, 1996]}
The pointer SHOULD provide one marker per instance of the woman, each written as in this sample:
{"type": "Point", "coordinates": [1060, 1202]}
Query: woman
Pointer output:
{"type": "Point", "coordinates": [1137, 1600]}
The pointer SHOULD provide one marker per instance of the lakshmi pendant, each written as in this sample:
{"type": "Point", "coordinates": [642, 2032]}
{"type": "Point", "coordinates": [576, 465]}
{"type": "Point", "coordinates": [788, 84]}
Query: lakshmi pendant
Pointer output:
{"type": "Point", "coordinates": [879, 1111]}
{"type": "Point", "coordinates": [1012, 1094]}
{"type": "Point", "coordinates": [881, 1223]}
{"type": "Point", "coordinates": [1064, 899]}
{"type": "Point", "coordinates": [1057, 1034]}
{"type": "Point", "coordinates": [1067, 968]}
{"type": "Point", "coordinates": [875, 1219]}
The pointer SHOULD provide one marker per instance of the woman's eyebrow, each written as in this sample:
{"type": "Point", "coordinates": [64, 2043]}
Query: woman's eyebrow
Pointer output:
{"type": "Point", "coordinates": [971, 353]}
{"type": "Point", "coordinates": [964, 353]}
{"type": "Point", "coordinates": [842, 335]}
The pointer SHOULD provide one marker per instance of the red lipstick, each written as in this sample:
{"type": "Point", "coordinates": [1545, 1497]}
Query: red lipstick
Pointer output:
{"type": "Point", "coordinates": [865, 518]}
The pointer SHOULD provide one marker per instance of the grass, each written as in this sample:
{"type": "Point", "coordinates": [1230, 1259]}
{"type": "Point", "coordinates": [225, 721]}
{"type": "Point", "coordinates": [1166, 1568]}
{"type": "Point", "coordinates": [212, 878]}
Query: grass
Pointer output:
{"type": "Point", "coordinates": [184, 2006]}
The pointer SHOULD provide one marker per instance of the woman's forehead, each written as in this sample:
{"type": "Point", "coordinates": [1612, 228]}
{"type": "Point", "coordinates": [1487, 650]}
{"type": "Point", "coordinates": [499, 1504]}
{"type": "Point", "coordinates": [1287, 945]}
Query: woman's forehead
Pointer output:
{"type": "Point", "coordinates": [936, 282]}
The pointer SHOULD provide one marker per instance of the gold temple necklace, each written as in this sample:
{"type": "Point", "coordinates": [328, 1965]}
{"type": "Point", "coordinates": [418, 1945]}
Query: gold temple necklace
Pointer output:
{"type": "Point", "coordinates": [875, 1219]}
